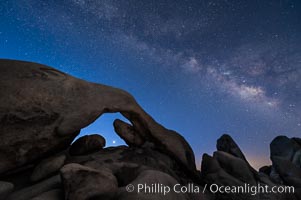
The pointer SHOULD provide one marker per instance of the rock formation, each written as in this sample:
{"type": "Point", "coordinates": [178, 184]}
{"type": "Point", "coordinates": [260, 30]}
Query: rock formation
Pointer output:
{"type": "Point", "coordinates": [229, 166]}
{"type": "Point", "coordinates": [87, 144]}
{"type": "Point", "coordinates": [43, 106]}
{"type": "Point", "coordinates": [42, 110]}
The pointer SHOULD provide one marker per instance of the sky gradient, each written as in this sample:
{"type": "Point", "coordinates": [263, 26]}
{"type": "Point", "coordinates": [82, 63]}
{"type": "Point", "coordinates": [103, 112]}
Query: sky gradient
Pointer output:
{"type": "Point", "coordinates": [202, 68]}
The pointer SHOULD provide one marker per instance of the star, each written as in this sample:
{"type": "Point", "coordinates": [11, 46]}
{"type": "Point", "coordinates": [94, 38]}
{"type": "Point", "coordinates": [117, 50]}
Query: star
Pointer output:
{"type": "Point", "coordinates": [194, 67]}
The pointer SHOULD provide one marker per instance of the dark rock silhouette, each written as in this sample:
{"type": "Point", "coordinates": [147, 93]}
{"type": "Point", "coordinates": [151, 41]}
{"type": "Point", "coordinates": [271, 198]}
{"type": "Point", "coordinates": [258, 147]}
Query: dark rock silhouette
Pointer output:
{"type": "Point", "coordinates": [47, 167]}
{"type": "Point", "coordinates": [42, 110]}
{"type": "Point", "coordinates": [87, 144]}
{"type": "Point", "coordinates": [128, 133]}
{"type": "Point", "coordinates": [81, 182]}
{"type": "Point", "coordinates": [226, 144]}
{"type": "Point", "coordinates": [229, 166]}
{"type": "Point", "coordinates": [285, 156]}
{"type": "Point", "coordinates": [5, 189]}
{"type": "Point", "coordinates": [266, 170]}
{"type": "Point", "coordinates": [42, 106]}
{"type": "Point", "coordinates": [31, 191]}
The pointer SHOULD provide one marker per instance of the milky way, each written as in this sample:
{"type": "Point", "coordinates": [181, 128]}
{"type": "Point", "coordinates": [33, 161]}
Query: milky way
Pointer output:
{"type": "Point", "coordinates": [203, 68]}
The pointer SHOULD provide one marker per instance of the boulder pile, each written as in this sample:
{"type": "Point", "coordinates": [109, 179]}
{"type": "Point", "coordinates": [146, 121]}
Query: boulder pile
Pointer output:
{"type": "Point", "coordinates": [42, 111]}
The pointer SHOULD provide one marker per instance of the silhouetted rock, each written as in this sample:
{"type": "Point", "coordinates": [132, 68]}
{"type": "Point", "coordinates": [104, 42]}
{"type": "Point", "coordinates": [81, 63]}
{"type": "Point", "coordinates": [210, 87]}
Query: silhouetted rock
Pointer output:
{"type": "Point", "coordinates": [237, 167]}
{"type": "Point", "coordinates": [87, 144]}
{"type": "Point", "coordinates": [36, 189]}
{"type": "Point", "coordinates": [56, 194]}
{"type": "Point", "coordinates": [229, 167]}
{"type": "Point", "coordinates": [213, 173]}
{"type": "Point", "coordinates": [297, 140]}
{"type": "Point", "coordinates": [285, 156]}
{"type": "Point", "coordinates": [5, 189]}
{"type": "Point", "coordinates": [266, 170]}
{"type": "Point", "coordinates": [297, 158]}
{"type": "Point", "coordinates": [47, 167]}
{"type": "Point", "coordinates": [283, 147]}
{"type": "Point", "coordinates": [128, 133]}
{"type": "Point", "coordinates": [227, 144]}
{"type": "Point", "coordinates": [287, 170]}
{"type": "Point", "coordinates": [84, 183]}
{"type": "Point", "coordinates": [46, 109]}
{"type": "Point", "coordinates": [275, 177]}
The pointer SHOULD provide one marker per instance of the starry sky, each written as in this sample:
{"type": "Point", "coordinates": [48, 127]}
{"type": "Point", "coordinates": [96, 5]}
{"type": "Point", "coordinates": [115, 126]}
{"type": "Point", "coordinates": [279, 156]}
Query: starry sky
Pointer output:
{"type": "Point", "coordinates": [202, 67]}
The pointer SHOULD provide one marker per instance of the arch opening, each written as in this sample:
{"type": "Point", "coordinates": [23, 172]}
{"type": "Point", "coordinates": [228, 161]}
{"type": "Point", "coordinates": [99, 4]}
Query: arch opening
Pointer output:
{"type": "Point", "coordinates": [103, 126]}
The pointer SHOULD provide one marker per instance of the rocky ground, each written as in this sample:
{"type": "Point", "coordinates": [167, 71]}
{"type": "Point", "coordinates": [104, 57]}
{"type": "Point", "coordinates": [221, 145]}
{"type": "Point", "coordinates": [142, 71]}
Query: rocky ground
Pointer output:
{"type": "Point", "coordinates": [42, 110]}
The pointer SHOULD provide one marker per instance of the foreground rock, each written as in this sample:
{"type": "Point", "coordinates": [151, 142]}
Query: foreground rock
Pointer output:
{"type": "Point", "coordinates": [128, 133]}
{"type": "Point", "coordinates": [229, 167]}
{"type": "Point", "coordinates": [235, 166]}
{"type": "Point", "coordinates": [5, 189]}
{"type": "Point", "coordinates": [87, 144]}
{"type": "Point", "coordinates": [285, 156]}
{"type": "Point", "coordinates": [32, 191]}
{"type": "Point", "coordinates": [226, 144]}
{"type": "Point", "coordinates": [84, 183]}
{"type": "Point", "coordinates": [42, 110]}
{"type": "Point", "coordinates": [56, 194]}
{"type": "Point", "coordinates": [283, 147]}
{"type": "Point", "coordinates": [48, 167]}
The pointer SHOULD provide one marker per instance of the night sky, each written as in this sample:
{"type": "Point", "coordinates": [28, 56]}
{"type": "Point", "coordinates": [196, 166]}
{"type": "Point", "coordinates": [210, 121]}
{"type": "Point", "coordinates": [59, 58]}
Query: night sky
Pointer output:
{"type": "Point", "coordinates": [202, 68]}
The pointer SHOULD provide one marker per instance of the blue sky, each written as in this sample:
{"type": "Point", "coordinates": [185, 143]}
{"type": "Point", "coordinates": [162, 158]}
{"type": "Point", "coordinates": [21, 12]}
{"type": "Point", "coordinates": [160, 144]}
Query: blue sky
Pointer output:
{"type": "Point", "coordinates": [202, 68]}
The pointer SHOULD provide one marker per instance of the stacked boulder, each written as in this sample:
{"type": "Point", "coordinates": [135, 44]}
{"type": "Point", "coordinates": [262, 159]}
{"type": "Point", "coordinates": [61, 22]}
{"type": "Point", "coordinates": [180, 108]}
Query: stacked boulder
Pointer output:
{"type": "Point", "coordinates": [42, 110]}
{"type": "Point", "coordinates": [286, 162]}
{"type": "Point", "coordinates": [228, 167]}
